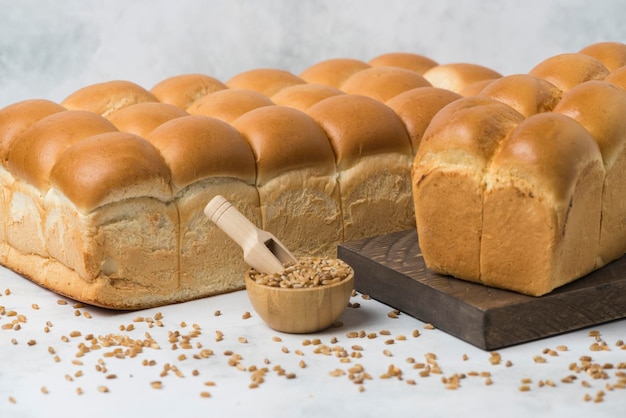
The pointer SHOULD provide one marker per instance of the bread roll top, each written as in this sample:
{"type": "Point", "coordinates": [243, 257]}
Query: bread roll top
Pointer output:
{"type": "Point", "coordinates": [474, 89]}
{"type": "Point", "coordinates": [110, 167]}
{"type": "Point", "coordinates": [523, 92]}
{"type": "Point", "coordinates": [283, 139]}
{"type": "Point", "coordinates": [600, 108]}
{"type": "Point", "coordinates": [467, 132]}
{"type": "Point", "coordinates": [611, 54]}
{"type": "Point", "coordinates": [332, 72]}
{"type": "Point", "coordinates": [303, 96]}
{"type": "Point", "coordinates": [229, 104]}
{"type": "Point", "coordinates": [17, 117]}
{"type": "Point", "coordinates": [457, 76]}
{"type": "Point", "coordinates": [383, 83]}
{"type": "Point", "coordinates": [358, 126]}
{"type": "Point", "coordinates": [267, 81]}
{"type": "Point", "coordinates": [414, 62]}
{"type": "Point", "coordinates": [549, 151]}
{"type": "Point", "coordinates": [617, 78]}
{"type": "Point", "coordinates": [182, 90]}
{"type": "Point", "coordinates": [198, 147]}
{"type": "Point", "coordinates": [107, 97]}
{"type": "Point", "coordinates": [32, 155]}
{"type": "Point", "coordinates": [568, 70]}
{"type": "Point", "coordinates": [142, 118]}
{"type": "Point", "coordinates": [417, 107]}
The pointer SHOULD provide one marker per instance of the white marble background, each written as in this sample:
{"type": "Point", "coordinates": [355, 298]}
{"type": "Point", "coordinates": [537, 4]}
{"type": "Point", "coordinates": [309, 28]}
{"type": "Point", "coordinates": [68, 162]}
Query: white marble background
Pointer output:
{"type": "Point", "coordinates": [49, 48]}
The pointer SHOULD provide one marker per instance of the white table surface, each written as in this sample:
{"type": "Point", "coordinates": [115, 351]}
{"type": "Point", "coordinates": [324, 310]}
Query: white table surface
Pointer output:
{"type": "Point", "coordinates": [34, 384]}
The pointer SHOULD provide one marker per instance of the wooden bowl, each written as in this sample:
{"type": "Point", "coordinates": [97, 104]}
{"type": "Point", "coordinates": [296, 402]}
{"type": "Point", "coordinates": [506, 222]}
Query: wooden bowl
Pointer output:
{"type": "Point", "coordinates": [300, 311]}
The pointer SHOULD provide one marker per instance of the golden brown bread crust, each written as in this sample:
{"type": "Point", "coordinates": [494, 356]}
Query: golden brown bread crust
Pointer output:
{"type": "Point", "coordinates": [107, 97]}
{"type": "Point", "coordinates": [416, 108]}
{"type": "Point", "coordinates": [182, 90]}
{"type": "Point", "coordinates": [458, 76]}
{"type": "Point", "coordinates": [267, 81]}
{"type": "Point", "coordinates": [17, 117]}
{"type": "Point", "coordinates": [600, 108]}
{"type": "Point", "coordinates": [448, 181]}
{"type": "Point", "coordinates": [617, 78]}
{"type": "Point", "coordinates": [109, 167]}
{"type": "Point", "coordinates": [373, 154]}
{"type": "Point", "coordinates": [414, 62]}
{"type": "Point", "coordinates": [198, 147]}
{"type": "Point", "coordinates": [282, 139]}
{"type": "Point", "coordinates": [359, 126]}
{"type": "Point", "coordinates": [332, 72]}
{"type": "Point", "coordinates": [383, 83]}
{"type": "Point", "coordinates": [474, 89]}
{"type": "Point", "coordinates": [568, 70]}
{"type": "Point", "coordinates": [523, 92]}
{"type": "Point", "coordinates": [611, 54]}
{"type": "Point", "coordinates": [296, 178]}
{"type": "Point", "coordinates": [303, 96]}
{"type": "Point", "coordinates": [546, 177]}
{"type": "Point", "coordinates": [142, 118]}
{"type": "Point", "coordinates": [207, 157]}
{"type": "Point", "coordinates": [32, 155]}
{"type": "Point", "coordinates": [229, 104]}
{"type": "Point", "coordinates": [146, 242]}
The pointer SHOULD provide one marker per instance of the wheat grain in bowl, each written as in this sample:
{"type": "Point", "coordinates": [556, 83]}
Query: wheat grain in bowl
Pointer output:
{"type": "Point", "coordinates": [308, 296]}
{"type": "Point", "coordinates": [306, 272]}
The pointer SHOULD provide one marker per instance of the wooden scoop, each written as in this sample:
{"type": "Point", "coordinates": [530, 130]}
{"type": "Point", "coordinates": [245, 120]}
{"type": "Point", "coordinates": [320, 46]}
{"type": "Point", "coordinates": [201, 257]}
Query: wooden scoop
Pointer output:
{"type": "Point", "coordinates": [261, 250]}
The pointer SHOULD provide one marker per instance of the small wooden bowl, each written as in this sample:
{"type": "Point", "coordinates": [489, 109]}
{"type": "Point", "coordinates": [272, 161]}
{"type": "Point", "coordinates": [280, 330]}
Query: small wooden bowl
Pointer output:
{"type": "Point", "coordinates": [300, 311]}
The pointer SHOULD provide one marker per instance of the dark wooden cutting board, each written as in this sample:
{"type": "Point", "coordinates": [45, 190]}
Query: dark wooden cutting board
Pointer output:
{"type": "Point", "coordinates": [390, 269]}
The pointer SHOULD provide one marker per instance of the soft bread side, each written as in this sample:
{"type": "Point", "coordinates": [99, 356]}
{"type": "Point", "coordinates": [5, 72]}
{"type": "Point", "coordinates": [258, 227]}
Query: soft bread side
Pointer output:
{"type": "Point", "coordinates": [449, 181]}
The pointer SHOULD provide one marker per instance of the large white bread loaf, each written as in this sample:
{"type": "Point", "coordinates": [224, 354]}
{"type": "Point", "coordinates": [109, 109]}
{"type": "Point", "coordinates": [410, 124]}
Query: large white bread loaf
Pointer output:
{"type": "Point", "coordinates": [600, 108]}
{"type": "Point", "coordinates": [449, 181]}
{"type": "Point", "coordinates": [296, 178]}
{"type": "Point", "coordinates": [528, 202]}
{"type": "Point", "coordinates": [103, 193]}
{"type": "Point", "coordinates": [207, 157]}
{"type": "Point", "coordinates": [541, 206]}
{"type": "Point", "coordinates": [372, 154]}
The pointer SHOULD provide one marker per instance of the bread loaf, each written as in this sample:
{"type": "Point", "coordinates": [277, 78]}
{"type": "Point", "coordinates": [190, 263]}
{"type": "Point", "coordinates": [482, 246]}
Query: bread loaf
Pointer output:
{"type": "Point", "coordinates": [568, 70]}
{"type": "Point", "coordinates": [373, 156]}
{"type": "Point", "coordinates": [105, 194]}
{"type": "Point", "coordinates": [523, 92]}
{"type": "Point", "coordinates": [14, 120]}
{"type": "Point", "coordinates": [142, 118]}
{"type": "Point", "coordinates": [207, 157]}
{"type": "Point", "coordinates": [229, 104]}
{"type": "Point", "coordinates": [414, 62]}
{"type": "Point", "coordinates": [531, 201]}
{"type": "Point", "coordinates": [332, 72]}
{"type": "Point", "coordinates": [513, 182]}
{"type": "Point", "coordinates": [296, 178]}
{"type": "Point", "coordinates": [617, 77]}
{"type": "Point", "coordinates": [458, 76]}
{"type": "Point", "coordinates": [449, 182]}
{"type": "Point", "coordinates": [30, 160]}
{"type": "Point", "coordinates": [383, 83]}
{"type": "Point", "coordinates": [611, 54]}
{"type": "Point", "coordinates": [184, 89]}
{"type": "Point", "coordinates": [267, 81]}
{"type": "Point", "coordinates": [417, 107]}
{"type": "Point", "coordinates": [107, 97]}
{"type": "Point", "coordinates": [600, 108]}
{"type": "Point", "coordinates": [303, 96]}
{"type": "Point", "coordinates": [545, 177]}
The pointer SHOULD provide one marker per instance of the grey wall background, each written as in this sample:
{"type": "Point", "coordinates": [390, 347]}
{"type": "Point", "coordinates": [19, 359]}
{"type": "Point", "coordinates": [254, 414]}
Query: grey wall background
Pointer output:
{"type": "Point", "coordinates": [49, 48]}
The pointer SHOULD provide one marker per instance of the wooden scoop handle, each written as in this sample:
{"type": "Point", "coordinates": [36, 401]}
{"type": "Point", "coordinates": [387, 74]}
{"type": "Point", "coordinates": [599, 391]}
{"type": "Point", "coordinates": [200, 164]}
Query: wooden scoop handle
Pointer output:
{"type": "Point", "coordinates": [261, 250]}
